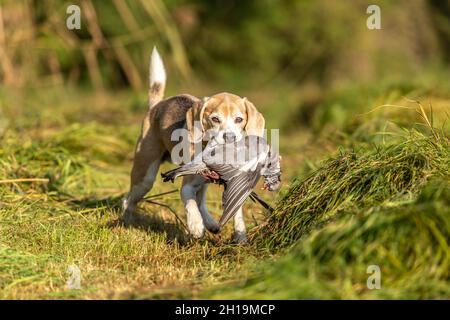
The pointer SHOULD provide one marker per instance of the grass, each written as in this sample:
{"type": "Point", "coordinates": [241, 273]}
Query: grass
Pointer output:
{"type": "Point", "coordinates": [63, 174]}
{"type": "Point", "coordinates": [387, 206]}
{"type": "Point", "coordinates": [65, 159]}
{"type": "Point", "coordinates": [67, 213]}
{"type": "Point", "coordinates": [409, 242]}
{"type": "Point", "coordinates": [384, 176]}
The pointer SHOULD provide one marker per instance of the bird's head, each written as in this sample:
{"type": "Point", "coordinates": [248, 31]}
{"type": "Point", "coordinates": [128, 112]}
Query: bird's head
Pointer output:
{"type": "Point", "coordinates": [271, 172]}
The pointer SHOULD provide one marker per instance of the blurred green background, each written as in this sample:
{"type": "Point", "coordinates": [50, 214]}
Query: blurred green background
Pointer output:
{"type": "Point", "coordinates": [315, 44]}
{"type": "Point", "coordinates": [312, 60]}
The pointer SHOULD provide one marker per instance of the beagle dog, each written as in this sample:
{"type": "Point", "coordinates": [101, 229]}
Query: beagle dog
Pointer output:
{"type": "Point", "coordinates": [225, 116]}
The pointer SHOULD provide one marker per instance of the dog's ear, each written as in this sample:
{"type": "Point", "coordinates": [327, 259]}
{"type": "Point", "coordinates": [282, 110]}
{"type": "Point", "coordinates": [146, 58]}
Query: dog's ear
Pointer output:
{"type": "Point", "coordinates": [255, 120]}
{"type": "Point", "coordinates": [194, 124]}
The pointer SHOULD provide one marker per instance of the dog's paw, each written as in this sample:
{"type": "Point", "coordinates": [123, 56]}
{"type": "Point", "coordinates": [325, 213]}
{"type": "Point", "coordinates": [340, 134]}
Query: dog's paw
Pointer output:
{"type": "Point", "coordinates": [197, 233]}
{"type": "Point", "coordinates": [128, 219]}
{"type": "Point", "coordinates": [196, 227]}
{"type": "Point", "coordinates": [211, 225]}
{"type": "Point", "coordinates": [240, 237]}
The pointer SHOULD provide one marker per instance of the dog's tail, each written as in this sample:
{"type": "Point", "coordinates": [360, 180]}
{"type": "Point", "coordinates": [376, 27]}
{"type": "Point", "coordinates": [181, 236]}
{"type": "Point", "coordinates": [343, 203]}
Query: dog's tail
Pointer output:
{"type": "Point", "coordinates": [157, 79]}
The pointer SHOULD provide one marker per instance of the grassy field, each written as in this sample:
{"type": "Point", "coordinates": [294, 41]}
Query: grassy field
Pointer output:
{"type": "Point", "coordinates": [364, 119]}
{"type": "Point", "coordinates": [65, 158]}
{"type": "Point", "coordinates": [65, 162]}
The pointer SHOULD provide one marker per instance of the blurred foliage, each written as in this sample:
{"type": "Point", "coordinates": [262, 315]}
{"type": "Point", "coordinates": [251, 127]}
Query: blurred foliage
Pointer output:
{"type": "Point", "coordinates": [246, 43]}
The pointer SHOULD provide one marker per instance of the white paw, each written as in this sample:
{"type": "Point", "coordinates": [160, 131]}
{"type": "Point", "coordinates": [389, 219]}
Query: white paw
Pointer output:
{"type": "Point", "coordinates": [240, 237]}
{"type": "Point", "coordinates": [194, 220]}
{"type": "Point", "coordinates": [195, 225]}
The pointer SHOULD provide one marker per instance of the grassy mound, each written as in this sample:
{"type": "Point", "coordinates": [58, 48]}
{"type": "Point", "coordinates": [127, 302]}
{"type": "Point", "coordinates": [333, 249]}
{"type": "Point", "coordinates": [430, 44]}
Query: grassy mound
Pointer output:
{"type": "Point", "coordinates": [386, 206]}
{"type": "Point", "coordinates": [385, 176]}
{"type": "Point", "coordinates": [409, 243]}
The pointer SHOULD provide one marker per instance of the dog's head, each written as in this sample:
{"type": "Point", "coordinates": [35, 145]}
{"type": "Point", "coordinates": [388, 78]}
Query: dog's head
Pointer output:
{"type": "Point", "coordinates": [224, 117]}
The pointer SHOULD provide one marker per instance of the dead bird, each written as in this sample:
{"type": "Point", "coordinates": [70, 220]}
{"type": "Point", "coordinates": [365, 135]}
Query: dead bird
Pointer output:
{"type": "Point", "coordinates": [238, 166]}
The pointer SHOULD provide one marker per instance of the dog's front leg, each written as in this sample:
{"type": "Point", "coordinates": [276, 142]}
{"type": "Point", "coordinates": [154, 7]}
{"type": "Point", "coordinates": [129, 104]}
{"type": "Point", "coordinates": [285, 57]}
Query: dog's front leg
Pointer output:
{"type": "Point", "coordinates": [240, 231]}
{"type": "Point", "coordinates": [190, 186]}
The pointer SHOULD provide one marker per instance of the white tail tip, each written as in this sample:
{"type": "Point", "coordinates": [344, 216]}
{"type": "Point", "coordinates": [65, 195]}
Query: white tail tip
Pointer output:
{"type": "Point", "coordinates": [157, 71]}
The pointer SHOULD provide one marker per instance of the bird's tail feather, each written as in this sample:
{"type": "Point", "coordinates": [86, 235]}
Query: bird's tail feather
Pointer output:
{"type": "Point", "coordinates": [169, 175]}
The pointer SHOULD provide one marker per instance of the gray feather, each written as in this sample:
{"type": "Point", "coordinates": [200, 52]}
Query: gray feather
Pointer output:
{"type": "Point", "coordinates": [236, 192]}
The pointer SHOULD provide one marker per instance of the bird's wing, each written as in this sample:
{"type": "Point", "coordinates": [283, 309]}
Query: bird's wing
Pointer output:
{"type": "Point", "coordinates": [226, 171]}
{"type": "Point", "coordinates": [237, 190]}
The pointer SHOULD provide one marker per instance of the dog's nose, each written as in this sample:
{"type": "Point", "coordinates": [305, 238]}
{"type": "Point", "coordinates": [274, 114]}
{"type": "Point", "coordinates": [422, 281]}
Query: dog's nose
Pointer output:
{"type": "Point", "coordinates": [229, 136]}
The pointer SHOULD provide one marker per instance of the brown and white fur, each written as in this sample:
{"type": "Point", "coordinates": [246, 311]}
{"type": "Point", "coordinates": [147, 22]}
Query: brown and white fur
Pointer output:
{"type": "Point", "coordinates": [224, 114]}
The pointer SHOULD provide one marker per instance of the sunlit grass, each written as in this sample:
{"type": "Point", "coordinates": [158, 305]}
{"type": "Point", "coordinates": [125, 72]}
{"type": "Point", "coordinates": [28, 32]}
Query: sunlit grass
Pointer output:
{"type": "Point", "coordinates": [408, 242]}
{"type": "Point", "coordinates": [64, 168]}
{"type": "Point", "coordinates": [386, 206]}
{"type": "Point", "coordinates": [61, 187]}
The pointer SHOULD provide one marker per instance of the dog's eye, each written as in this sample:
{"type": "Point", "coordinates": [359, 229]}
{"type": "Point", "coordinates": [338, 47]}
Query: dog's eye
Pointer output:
{"type": "Point", "coordinates": [238, 120]}
{"type": "Point", "coordinates": [215, 119]}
